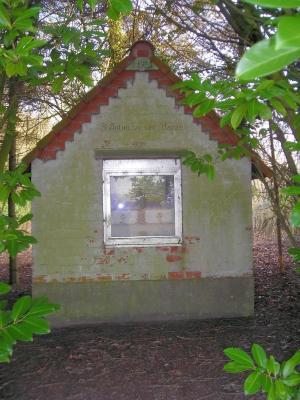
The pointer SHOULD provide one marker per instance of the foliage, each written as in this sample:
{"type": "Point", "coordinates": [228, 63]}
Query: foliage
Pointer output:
{"type": "Point", "coordinates": [16, 184]}
{"type": "Point", "coordinates": [294, 191]}
{"type": "Point", "coordinates": [273, 54]}
{"type": "Point", "coordinates": [201, 165]}
{"type": "Point", "coordinates": [118, 8]}
{"type": "Point", "coordinates": [278, 381]}
{"type": "Point", "coordinates": [256, 109]}
{"type": "Point", "coordinates": [34, 54]}
{"type": "Point", "coordinates": [25, 319]}
{"type": "Point", "coordinates": [242, 106]}
{"type": "Point", "coordinates": [51, 52]}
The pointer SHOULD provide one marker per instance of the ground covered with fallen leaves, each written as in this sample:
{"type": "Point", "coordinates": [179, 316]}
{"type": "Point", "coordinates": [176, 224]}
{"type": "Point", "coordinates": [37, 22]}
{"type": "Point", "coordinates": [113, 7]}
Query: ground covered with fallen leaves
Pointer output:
{"type": "Point", "coordinates": [157, 361]}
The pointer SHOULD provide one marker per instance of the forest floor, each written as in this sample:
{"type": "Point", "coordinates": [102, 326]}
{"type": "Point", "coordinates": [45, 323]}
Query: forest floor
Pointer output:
{"type": "Point", "coordinates": [157, 361]}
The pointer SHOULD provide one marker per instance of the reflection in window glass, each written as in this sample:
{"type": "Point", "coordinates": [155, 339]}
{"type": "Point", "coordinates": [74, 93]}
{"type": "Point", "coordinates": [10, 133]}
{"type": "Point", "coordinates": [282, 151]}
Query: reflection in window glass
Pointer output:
{"type": "Point", "coordinates": [142, 205]}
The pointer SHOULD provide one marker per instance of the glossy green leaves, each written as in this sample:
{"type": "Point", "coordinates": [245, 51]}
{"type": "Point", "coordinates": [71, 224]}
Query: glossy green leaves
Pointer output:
{"type": "Point", "coordinates": [275, 3]}
{"type": "Point", "coordinates": [288, 34]}
{"type": "Point", "coordinates": [278, 381]}
{"type": "Point", "coordinates": [18, 185]}
{"type": "Point", "coordinates": [4, 17]}
{"type": "Point", "coordinates": [24, 320]}
{"type": "Point", "coordinates": [264, 59]}
{"type": "Point", "coordinates": [4, 288]}
{"type": "Point", "coordinates": [271, 55]}
{"type": "Point", "coordinates": [200, 165]}
{"type": "Point", "coordinates": [118, 8]}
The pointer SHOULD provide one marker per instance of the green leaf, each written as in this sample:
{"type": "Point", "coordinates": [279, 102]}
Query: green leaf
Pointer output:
{"type": "Point", "coordinates": [4, 357]}
{"type": "Point", "coordinates": [79, 4]}
{"type": "Point", "coordinates": [37, 325]}
{"type": "Point", "coordinates": [24, 25]}
{"type": "Point", "coordinates": [253, 383]}
{"type": "Point", "coordinates": [252, 110]}
{"type": "Point", "coordinates": [20, 332]}
{"type": "Point", "coordinates": [4, 17]}
{"type": "Point", "coordinates": [12, 247]}
{"type": "Point", "coordinates": [265, 112]}
{"type": "Point", "coordinates": [272, 392]}
{"type": "Point", "coordinates": [122, 6]}
{"type": "Point", "coordinates": [265, 84]}
{"type": "Point", "coordinates": [210, 171]}
{"type": "Point", "coordinates": [290, 100]}
{"type": "Point", "coordinates": [288, 33]}
{"type": "Point", "coordinates": [280, 389]}
{"type": "Point", "coordinates": [295, 252]}
{"type": "Point", "coordinates": [40, 307]}
{"type": "Point", "coordinates": [239, 356]}
{"type": "Point", "coordinates": [275, 3]}
{"type": "Point", "coordinates": [112, 14]}
{"type": "Point", "coordinates": [291, 364]}
{"type": "Point", "coordinates": [266, 383]}
{"type": "Point", "coordinates": [234, 367]}
{"type": "Point", "coordinates": [295, 215]}
{"type": "Point", "coordinates": [93, 3]}
{"type": "Point", "coordinates": [204, 108]}
{"type": "Point", "coordinates": [3, 304]}
{"type": "Point", "coordinates": [263, 59]}
{"type": "Point", "coordinates": [15, 69]}
{"type": "Point", "coordinates": [259, 355]}
{"type": "Point", "coordinates": [57, 84]}
{"type": "Point", "coordinates": [225, 120]}
{"type": "Point", "coordinates": [4, 288]}
{"type": "Point", "coordinates": [292, 380]}
{"type": "Point", "coordinates": [7, 339]}
{"type": "Point", "coordinates": [4, 193]}
{"type": "Point", "coordinates": [292, 190]}
{"type": "Point", "coordinates": [296, 121]}
{"type": "Point", "coordinates": [238, 115]}
{"type": "Point", "coordinates": [28, 43]}
{"type": "Point", "coordinates": [21, 306]}
{"type": "Point", "coordinates": [278, 106]}
{"type": "Point", "coordinates": [273, 366]}
{"type": "Point", "coordinates": [208, 158]}
{"type": "Point", "coordinates": [296, 178]}
{"type": "Point", "coordinates": [292, 146]}
{"type": "Point", "coordinates": [25, 218]}
{"type": "Point", "coordinates": [30, 12]}
{"type": "Point", "coordinates": [194, 98]}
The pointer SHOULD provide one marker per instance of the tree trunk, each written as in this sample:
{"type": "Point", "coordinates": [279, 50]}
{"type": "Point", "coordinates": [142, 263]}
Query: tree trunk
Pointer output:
{"type": "Point", "coordinates": [10, 120]}
{"type": "Point", "coordinates": [8, 153]}
{"type": "Point", "coordinates": [276, 205]}
{"type": "Point", "coordinates": [13, 274]}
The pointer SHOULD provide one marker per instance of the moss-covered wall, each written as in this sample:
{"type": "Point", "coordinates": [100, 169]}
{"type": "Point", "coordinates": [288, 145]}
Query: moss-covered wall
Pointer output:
{"type": "Point", "coordinates": [68, 219]}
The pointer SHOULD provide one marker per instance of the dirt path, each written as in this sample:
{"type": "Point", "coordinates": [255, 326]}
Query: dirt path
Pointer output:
{"type": "Point", "coordinates": [162, 361]}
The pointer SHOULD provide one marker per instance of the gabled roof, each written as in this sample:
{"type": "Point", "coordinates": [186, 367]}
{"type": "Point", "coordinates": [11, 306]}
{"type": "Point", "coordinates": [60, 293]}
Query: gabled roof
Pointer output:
{"type": "Point", "coordinates": [141, 58]}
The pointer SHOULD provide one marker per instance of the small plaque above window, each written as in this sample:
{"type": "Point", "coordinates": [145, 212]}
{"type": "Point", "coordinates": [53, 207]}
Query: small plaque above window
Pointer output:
{"type": "Point", "coordinates": [142, 202]}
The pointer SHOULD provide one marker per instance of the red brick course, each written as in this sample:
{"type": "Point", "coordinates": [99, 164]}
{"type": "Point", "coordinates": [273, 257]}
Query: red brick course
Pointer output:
{"type": "Point", "coordinates": [108, 87]}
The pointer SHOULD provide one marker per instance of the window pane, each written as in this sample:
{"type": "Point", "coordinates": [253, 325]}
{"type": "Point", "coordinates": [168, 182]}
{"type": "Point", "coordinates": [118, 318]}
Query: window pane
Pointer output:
{"type": "Point", "coordinates": [142, 205]}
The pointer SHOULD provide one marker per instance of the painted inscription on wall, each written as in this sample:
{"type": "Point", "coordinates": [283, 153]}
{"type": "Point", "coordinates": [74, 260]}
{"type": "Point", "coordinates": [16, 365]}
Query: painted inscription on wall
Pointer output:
{"type": "Point", "coordinates": [131, 126]}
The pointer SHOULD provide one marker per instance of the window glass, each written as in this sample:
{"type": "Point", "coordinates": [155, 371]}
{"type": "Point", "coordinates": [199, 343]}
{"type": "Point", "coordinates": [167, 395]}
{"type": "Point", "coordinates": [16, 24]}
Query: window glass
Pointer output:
{"type": "Point", "coordinates": [142, 202]}
{"type": "Point", "coordinates": [142, 205]}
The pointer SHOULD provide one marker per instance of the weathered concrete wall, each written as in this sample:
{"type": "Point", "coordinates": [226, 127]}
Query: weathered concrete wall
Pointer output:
{"type": "Point", "coordinates": [150, 300]}
{"type": "Point", "coordinates": [68, 217]}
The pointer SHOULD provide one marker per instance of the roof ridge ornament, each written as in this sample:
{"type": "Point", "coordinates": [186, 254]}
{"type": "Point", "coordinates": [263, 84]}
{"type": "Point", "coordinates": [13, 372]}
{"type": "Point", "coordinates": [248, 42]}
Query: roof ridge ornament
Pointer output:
{"type": "Point", "coordinates": [142, 48]}
{"type": "Point", "coordinates": [142, 53]}
{"type": "Point", "coordinates": [141, 64]}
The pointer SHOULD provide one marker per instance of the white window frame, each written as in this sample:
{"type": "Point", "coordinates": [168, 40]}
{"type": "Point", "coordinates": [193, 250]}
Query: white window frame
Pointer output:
{"type": "Point", "coordinates": [134, 167]}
